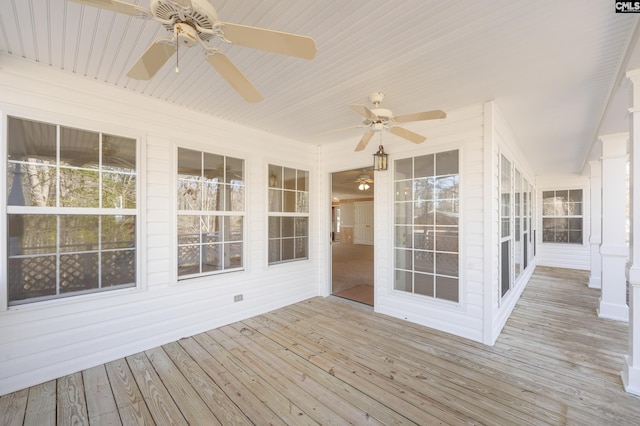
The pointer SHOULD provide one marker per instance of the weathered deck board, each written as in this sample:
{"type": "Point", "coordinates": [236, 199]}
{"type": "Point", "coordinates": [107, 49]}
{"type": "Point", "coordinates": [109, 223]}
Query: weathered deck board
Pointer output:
{"type": "Point", "coordinates": [101, 404]}
{"type": "Point", "coordinates": [279, 376]}
{"type": "Point", "coordinates": [415, 407]}
{"type": "Point", "coordinates": [329, 382]}
{"type": "Point", "coordinates": [392, 361]}
{"type": "Point", "coordinates": [41, 406]}
{"type": "Point", "coordinates": [192, 407]}
{"type": "Point", "coordinates": [324, 361]}
{"type": "Point", "coordinates": [456, 379]}
{"type": "Point", "coordinates": [13, 406]}
{"type": "Point", "coordinates": [215, 398]}
{"type": "Point", "coordinates": [131, 406]}
{"type": "Point", "coordinates": [72, 406]}
{"type": "Point", "coordinates": [158, 399]}
{"type": "Point", "coordinates": [287, 410]}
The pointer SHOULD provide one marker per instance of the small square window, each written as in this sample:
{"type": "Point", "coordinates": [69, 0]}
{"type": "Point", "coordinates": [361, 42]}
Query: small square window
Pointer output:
{"type": "Point", "coordinates": [562, 216]}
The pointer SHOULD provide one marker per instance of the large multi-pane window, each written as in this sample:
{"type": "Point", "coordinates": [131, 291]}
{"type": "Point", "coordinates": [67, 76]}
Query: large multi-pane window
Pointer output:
{"type": "Point", "coordinates": [526, 224]}
{"type": "Point", "coordinates": [210, 213]}
{"type": "Point", "coordinates": [71, 211]}
{"type": "Point", "coordinates": [288, 214]}
{"type": "Point", "coordinates": [427, 224]}
{"type": "Point", "coordinates": [506, 218]}
{"type": "Point", "coordinates": [518, 207]}
{"type": "Point", "coordinates": [562, 216]}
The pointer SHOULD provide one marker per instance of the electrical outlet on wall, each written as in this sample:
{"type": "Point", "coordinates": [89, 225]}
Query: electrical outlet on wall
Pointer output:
{"type": "Point", "coordinates": [237, 298]}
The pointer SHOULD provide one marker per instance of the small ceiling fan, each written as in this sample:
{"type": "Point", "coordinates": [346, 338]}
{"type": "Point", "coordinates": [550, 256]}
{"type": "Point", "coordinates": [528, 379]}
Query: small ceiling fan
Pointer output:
{"type": "Point", "coordinates": [363, 182]}
{"type": "Point", "coordinates": [379, 119]}
{"type": "Point", "coordinates": [195, 22]}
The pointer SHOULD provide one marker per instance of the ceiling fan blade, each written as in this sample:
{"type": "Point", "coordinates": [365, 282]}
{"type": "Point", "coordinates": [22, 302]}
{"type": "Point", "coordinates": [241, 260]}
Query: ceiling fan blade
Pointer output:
{"type": "Point", "coordinates": [116, 6]}
{"type": "Point", "coordinates": [407, 134]}
{"type": "Point", "coordinates": [420, 116]}
{"type": "Point", "coordinates": [152, 60]}
{"type": "Point", "coordinates": [234, 77]}
{"type": "Point", "coordinates": [364, 141]}
{"type": "Point", "coordinates": [270, 40]}
{"type": "Point", "coordinates": [364, 111]}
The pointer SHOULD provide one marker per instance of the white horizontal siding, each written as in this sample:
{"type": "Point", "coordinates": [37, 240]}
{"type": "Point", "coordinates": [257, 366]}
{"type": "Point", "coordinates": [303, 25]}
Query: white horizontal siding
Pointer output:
{"type": "Point", "coordinates": [572, 256]}
{"type": "Point", "coordinates": [41, 341]}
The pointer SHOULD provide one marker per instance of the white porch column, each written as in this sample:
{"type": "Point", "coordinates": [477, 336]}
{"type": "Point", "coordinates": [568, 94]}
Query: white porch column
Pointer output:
{"type": "Point", "coordinates": [614, 250]}
{"type": "Point", "coordinates": [631, 371]}
{"type": "Point", "coordinates": [595, 280]}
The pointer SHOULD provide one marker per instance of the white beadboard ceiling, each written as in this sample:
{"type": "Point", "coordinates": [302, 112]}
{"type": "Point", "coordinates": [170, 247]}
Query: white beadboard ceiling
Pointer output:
{"type": "Point", "coordinates": [552, 66]}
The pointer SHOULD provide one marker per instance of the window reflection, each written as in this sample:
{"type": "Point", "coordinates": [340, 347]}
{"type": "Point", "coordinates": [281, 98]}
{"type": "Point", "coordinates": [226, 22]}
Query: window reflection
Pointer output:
{"type": "Point", "coordinates": [562, 216]}
{"type": "Point", "coordinates": [79, 148]}
{"type": "Point", "coordinates": [80, 177]}
{"type": "Point", "coordinates": [209, 187]}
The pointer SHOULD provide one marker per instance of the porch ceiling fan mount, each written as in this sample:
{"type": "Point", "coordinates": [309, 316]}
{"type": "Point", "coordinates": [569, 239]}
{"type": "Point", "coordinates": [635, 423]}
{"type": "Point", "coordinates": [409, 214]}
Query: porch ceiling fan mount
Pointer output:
{"type": "Point", "coordinates": [378, 119]}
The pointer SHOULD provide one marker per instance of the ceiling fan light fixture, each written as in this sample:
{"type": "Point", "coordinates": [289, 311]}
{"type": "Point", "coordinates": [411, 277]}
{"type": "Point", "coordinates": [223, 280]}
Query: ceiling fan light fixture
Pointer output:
{"type": "Point", "coordinates": [186, 34]}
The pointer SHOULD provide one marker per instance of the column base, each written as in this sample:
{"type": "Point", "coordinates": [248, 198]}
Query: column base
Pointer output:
{"type": "Point", "coordinates": [630, 377]}
{"type": "Point", "coordinates": [595, 282]}
{"type": "Point", "coordinates": [613, 311]}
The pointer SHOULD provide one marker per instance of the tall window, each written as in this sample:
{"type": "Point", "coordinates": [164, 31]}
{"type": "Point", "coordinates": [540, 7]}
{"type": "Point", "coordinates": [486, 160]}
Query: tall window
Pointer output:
{"type": "Point", "coordinates": [518, 206]}
{"type": "Point", "coordinates": [71, 211]}
{"type": "Point", "coordinates": [506, 218]}
{"type": "Point", "coordinates": [427, 225]}
{"type": "Point", "coordinates": [288, 214]}
{"type": "Point", "coordinates": [526, 224]}
{"type": "Point", "coordinates": [210, 213]}
{"type": "Point", "coordinates": [562, 216]}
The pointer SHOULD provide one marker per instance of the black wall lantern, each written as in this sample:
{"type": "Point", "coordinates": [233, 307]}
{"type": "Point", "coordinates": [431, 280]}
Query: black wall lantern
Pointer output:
{"type": "Point", "coordinates": [380, 159]}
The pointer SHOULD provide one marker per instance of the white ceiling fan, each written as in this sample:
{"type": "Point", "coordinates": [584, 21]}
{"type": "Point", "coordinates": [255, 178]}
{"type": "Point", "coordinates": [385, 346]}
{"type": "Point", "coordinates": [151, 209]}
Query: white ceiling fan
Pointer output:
{"type": "Point", "coordinates": [363, 182]}
{"type": "Point", "coordinates": [379, 119]}
{"type": "Point", "coordinates": [195, 22]}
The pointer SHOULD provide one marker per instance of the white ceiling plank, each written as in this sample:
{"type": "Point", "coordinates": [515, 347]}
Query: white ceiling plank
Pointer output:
{"type": "Point", "coordinates": [6, 32]}
{"type": "Point", "coordinates": [551, 66]}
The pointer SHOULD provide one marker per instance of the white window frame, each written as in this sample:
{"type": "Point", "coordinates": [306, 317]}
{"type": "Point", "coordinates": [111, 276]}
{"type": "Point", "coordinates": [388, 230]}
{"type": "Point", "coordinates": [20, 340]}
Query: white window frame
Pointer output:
{"type": "Point", "coordinates": [221, 214]}
{"type": "Point", "coordinates": [59, 210]}
{"type": "Point", "coordinates": [509, 238]}
{"type": "Point", "coordinates": [568, 216]}
{"type": "Point", "coordinates": [399, 249]}
{"type": "Point", "coordinates": [275, 211]}
{"type": "Point", "coordinates": [518, 231]}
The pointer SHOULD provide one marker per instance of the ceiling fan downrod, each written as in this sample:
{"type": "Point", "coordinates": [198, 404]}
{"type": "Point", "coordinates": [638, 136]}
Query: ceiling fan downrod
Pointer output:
{"type": "Point", "coordinates": [175, 32]}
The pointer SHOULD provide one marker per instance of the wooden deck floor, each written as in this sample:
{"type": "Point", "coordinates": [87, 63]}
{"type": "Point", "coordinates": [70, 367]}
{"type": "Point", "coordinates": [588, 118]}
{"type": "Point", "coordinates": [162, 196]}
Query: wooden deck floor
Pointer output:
{"type": "Point", "coordinates": [323, 361]}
